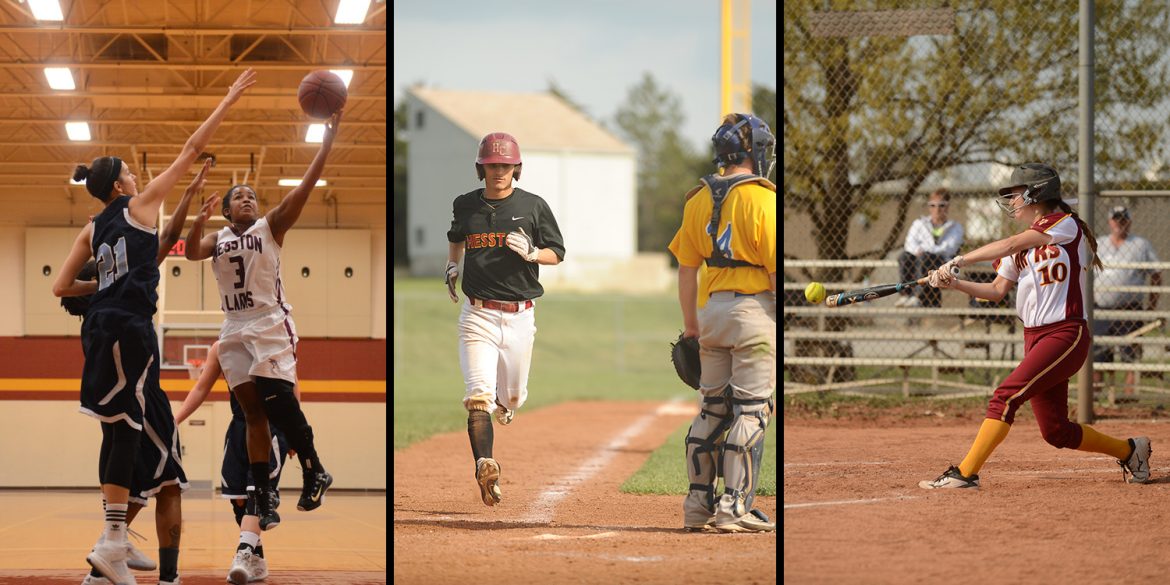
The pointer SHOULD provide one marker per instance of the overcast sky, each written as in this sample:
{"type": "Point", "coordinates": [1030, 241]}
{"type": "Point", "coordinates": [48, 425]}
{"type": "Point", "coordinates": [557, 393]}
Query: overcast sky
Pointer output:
{"type": "Point", "coordinates": [595, 50]}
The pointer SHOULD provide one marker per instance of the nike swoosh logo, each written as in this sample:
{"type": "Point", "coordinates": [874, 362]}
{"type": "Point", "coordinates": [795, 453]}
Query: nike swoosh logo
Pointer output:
{"type": "Point", "coordinates": [270, 397]}
{"type": "Point", "coordinates": [516, 218]}
{"type": "Point", "coordinates": [318, 496]}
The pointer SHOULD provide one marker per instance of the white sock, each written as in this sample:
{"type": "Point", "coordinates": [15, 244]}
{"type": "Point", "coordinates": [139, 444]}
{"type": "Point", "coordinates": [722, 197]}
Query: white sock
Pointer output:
{"type": "Point", "coordinates": [116, 522]}
{"type": "Point", "coordinates": [250, 538]}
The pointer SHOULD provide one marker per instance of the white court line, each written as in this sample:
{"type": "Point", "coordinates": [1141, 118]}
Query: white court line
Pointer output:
{"type": "Point", "coordinates": [564, 536]}
{"type": "Point", "coordinates": [838, 463]}
{"type": "Point", "coordinates": [541, 511]}
{"type": "Point", "coordinates": [843, 502]}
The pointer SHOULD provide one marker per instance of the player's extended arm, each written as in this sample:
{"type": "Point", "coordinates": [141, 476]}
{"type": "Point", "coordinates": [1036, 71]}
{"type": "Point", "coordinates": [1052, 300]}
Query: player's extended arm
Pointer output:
{"type": "Point", "coordinates": [144, 207]}
{"type": "Point", "coordinates": [200, 246]}
{"type": "Point", "coordinates": [174, 229]}
{"type": "Point", "coordinates": [1025, 240]}
{"type": "Point", "coordinates": [688, 295]}
{"type": "Point", "coordinates": [282, 217]}
{"type": "Point", "coordinates": [67, 284]}
{"type": "Point", "coordinates": [993, 291]}
{"type": "Point", "coordinates": [207, 378]}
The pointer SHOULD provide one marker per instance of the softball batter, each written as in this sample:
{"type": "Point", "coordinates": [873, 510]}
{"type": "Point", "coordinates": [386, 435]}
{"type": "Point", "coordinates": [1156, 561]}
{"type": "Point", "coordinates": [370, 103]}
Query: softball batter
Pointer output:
{"type": "Point", "coordinates": [730, 226]}
{"type": "Point", "coordinates": [505, 232]}
{"type": "Point", "coordinates": [1049, 262]}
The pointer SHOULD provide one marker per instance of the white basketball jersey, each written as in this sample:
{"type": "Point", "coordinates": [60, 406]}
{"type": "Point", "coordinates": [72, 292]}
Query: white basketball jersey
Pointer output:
{"type": "Point", "coordinates": [247, 269]}
{"type": "Point", "coordinates": [1051, 279]}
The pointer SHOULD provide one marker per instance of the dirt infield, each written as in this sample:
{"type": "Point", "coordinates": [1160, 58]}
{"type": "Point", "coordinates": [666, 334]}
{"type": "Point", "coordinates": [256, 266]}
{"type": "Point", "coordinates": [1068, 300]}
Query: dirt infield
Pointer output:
{"type": "Point", "coordinates": [562, 519]}
{"type": "Point", "coordinates": [853, 512]}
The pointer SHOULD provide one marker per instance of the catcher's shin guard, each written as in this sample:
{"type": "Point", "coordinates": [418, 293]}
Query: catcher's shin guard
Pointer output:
{"type": "Point", "coordinates": [703, 466]}
{"type": "Point", "coordinates": [742, 455]}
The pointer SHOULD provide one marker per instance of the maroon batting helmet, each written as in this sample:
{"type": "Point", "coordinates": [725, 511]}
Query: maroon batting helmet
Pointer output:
{"type": "Point", "coordinates": [498, 147]}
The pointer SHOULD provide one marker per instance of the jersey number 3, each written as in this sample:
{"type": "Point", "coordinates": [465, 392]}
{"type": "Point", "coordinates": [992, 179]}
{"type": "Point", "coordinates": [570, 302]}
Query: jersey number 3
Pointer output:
{"type": "Point", "coordinates": [111, 263]}
{"type": "Point", "coordinates": [239, 262]}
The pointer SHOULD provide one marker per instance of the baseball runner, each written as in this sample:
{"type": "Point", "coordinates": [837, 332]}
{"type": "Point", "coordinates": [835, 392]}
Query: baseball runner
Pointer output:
{"type": "Point", "coordinates": [1048, 262]}
{"type": "Point", "coordinates": [506, 233]}
{"type": "Point", "coordinates": [122, 354]}
{"type": "Point", "coordinates": [729, 225]}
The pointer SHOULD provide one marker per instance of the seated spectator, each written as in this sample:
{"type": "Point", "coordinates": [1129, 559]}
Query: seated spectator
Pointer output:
{"type": "Point", "coordinates": [1119, 247]}
{"type": "Point", "coordinates": [932, 240]}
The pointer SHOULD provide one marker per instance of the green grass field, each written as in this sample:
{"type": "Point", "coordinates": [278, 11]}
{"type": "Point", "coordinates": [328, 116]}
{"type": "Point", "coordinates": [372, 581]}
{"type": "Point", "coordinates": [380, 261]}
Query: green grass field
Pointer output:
{"type": "Point", "coordinates": [588, 347]}
{"type": "Point", "coordinates": [665, 471]}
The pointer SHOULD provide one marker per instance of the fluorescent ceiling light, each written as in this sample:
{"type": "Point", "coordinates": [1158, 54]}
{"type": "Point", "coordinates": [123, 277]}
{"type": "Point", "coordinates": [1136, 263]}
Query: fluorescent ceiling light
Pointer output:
{"type": "Point", "coordinates": [295, 182]}
{"type": "Point", "coordinates": [60, 78]}
{"type": "Point", "coordinates": [78, 131]}
{"type": "Point", "coordinates": [316, 133]}
{"type": "Point", "coordinates": [351, 11]}
{"type": "Point", "coordinates": [344, 74]}
{"type": "Point", "coordinates": [51, 9]}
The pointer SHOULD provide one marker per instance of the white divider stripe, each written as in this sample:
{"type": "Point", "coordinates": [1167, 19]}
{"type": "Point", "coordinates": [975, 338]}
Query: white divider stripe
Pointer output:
{"type": "Point", "coordinates": [844, 502]}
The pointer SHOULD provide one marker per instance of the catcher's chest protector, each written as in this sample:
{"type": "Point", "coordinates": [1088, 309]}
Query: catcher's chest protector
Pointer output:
{"type": "Point", "coordinates": [720, 188]}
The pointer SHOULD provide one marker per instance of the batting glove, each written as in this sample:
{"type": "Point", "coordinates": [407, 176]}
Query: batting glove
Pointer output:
{"type": "Point", "coordinates": [521, 243]}
{"type": "Point", "coordinates": [452, 277]}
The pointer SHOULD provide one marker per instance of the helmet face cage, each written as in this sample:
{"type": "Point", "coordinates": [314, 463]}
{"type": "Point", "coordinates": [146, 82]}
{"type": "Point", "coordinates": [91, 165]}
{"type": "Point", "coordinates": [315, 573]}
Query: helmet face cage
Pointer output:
{"type": "Point", "coordinates": [1040, 183]}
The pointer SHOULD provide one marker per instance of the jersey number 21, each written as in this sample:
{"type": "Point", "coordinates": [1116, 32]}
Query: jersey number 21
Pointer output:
{"type": "Point", "coordinates": [111, 263]}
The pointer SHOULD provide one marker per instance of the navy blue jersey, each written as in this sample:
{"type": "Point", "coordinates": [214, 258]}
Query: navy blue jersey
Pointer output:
{"type": "Point", "coordinates": [127, 261]}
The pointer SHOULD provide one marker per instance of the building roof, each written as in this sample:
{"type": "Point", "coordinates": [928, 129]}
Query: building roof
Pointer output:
{"type": "Point", "coordinates": [539, 121]}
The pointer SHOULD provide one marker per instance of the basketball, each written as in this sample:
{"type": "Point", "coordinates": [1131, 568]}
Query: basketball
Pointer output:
{"type": "Point", "coordinates": [321, 94]}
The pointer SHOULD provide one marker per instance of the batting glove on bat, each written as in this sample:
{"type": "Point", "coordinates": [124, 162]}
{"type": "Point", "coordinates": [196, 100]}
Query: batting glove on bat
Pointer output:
{"type": "Point", "coordinates": [521, 243]}
{"type": "Point", "coordinates": [951, 268]}
{"type": "Point", "coordinates": [452, 277]}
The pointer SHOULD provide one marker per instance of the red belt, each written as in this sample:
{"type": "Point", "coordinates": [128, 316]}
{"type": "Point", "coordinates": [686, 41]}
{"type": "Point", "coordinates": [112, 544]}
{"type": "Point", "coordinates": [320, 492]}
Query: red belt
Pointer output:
{"type": "Point", "coordinates": [507, 307]}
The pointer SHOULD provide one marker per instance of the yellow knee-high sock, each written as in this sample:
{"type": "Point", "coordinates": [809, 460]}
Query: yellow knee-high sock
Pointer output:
{"type": "Point", "coordinates": [991, 433]}
{"type": "Point", "coordinates": [1096, 442]}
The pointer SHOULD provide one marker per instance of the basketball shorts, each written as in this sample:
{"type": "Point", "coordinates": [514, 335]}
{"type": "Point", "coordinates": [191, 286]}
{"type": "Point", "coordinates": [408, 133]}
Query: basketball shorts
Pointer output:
{"type": "Point", "coordinates": [236, 474]}
{"type": "Point", "coordinates": [261, 345]}
{"type": "Point", "coordinates": [121, 361]}
{"type": "Point", "coordinates": [160, 461]}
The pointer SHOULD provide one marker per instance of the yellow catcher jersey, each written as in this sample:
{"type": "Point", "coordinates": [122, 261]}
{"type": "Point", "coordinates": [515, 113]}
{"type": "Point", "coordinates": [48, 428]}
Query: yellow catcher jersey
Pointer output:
{"type": "Point", "coordinates": [749, 218]}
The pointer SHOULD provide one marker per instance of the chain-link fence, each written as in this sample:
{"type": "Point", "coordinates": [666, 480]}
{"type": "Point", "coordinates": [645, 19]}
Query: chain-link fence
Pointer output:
{"type": "Point", "coordinates": [883, 108]}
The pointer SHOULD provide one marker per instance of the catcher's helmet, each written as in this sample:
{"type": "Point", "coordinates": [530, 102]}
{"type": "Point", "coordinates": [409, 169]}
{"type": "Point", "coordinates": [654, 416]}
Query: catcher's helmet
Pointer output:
{"type": "Point", "coordinates": [730, 148]}
{"type": "Point", "coordinates": [498, 147]}
{"type": "Point", "coordinates": [1040, 182]}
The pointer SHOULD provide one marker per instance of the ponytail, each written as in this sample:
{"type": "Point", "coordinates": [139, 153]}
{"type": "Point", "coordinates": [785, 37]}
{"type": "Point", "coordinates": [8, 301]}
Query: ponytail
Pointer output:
{"type": "Point", "coordinates": [1086, 230]}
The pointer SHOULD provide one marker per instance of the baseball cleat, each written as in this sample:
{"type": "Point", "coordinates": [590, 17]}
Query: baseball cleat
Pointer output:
{"type": "Point", "coordinates": [706, 526]}
{"type": "Point", "coordinates": [754, 521]}
{"type": "Point", "coordinates": [487, 474]}
{"type": "Point", "coordinates": [1138, 464]}
{"type": "Point", "coordinates": [951, 479]}
{"type": "Point", "coordinates": [503, 415]}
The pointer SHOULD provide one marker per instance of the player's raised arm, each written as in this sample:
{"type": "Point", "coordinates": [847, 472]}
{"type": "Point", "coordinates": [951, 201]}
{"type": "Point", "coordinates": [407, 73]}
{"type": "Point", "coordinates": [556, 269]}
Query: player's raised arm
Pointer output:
{"type": "Point", "coordinates": [144, 207]}
{"type": "Point", "coordinates": [67, 284]}
{"type": "Point", "coordinates": [200, 246]}
{"type": "Point", "coordinates": [198, 394]}
{"type": "Point", "coordinates": [282, 217]}
{"type": "Point", "coordinates": [168, 238]}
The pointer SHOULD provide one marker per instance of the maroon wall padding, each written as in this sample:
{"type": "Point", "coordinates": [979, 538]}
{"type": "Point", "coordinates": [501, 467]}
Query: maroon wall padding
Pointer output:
{"type": "Point", "coordinates": [317, 358]}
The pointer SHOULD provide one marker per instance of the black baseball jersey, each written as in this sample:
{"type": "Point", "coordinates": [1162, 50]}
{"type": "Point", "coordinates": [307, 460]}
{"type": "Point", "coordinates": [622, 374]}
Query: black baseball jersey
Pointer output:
{"type": "Point", "coordinates": [491, 270]}
{"type": "Point", "coordinates": [127, 261]}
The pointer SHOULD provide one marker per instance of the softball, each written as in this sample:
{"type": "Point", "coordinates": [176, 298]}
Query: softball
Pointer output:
{"type": "Point", "coordinates": [814, 293]}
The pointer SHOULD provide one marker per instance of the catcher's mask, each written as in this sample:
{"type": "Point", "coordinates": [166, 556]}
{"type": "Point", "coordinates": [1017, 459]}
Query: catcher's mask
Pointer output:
{"type": "Point", "coordinates": [1040, 182]}
{"type": "Point", "coordinates": [731, 149]}
{"type": "Point", "coordinates": [498, 147]}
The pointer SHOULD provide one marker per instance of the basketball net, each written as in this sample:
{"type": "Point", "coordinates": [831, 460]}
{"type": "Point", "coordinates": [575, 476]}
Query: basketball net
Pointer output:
{"type": "Point", "coordinates": [194, 368]}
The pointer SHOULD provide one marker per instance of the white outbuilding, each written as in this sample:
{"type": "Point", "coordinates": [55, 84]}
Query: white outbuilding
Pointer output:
{"type": "Point", "coordinates": [586, 174]}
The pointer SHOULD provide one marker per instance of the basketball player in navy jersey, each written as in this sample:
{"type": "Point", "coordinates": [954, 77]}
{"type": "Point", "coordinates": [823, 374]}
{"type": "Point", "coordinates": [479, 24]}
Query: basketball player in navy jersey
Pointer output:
{"type": "Point", "coordinates": [257, 343]}
{"type": "Point", "coordinates": [121, 371]}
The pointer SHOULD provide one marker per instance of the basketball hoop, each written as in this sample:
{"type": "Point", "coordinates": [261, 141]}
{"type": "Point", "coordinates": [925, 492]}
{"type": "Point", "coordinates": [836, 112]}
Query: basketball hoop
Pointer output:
{"type": "Point", "coordinates": [194, 368]}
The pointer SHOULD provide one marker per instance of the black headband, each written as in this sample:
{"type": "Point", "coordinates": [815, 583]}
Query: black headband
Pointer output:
{"type": "Point", "coordinates": [108, 185]}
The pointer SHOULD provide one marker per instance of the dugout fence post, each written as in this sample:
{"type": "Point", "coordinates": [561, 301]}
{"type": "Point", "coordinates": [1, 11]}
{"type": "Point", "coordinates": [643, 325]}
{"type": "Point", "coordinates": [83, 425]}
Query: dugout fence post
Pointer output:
{"type": "Point", "coordinates": [1085, 188]}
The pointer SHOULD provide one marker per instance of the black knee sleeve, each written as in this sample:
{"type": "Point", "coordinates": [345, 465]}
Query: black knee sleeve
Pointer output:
{"type": "Point", "coordinates": [123, 451]}
{"type": "Point", "coordinates": [284, 412]}
{"type": "Point", "coordinates": [239, 509]}
{"type": "Point", "coordinates": [479, 430]}
{"type": "Point", "coordinates": [107, 445]}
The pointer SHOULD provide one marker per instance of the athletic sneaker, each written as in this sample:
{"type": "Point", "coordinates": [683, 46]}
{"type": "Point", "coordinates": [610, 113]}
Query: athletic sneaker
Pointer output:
{"type": "Point", "coordinates": [314, 491]}
{"type": "Point", "coordinates": [266, 503]}
{"type": "Point", "coordinates": [1138, 464]}
{"type": "Point", "coordinates": [951, 478]}
{"type": "Point", "coordinates": [487, 475]}
{"type": "Point", "coordinates": [91, 580]}
{"type": "Point", "coordinates": [135, 559]}
{"type": "Point", "coordinates": [109, 558]}
{"type": "Point", "coordinates": [503, 415]}
{"type": "Point", "coordinates": [754, 521]}
{"type": "Point", "coordinates": [258, 567]}
{"type": "Point", "coordinates": [241, 572]}
{"type": "Point", "coordinates": [177, 581]}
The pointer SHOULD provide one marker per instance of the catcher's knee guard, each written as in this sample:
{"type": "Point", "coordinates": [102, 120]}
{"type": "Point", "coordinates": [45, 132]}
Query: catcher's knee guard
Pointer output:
{"type": "Point", "coordinates": [743, 452]}
{"type": "Point", "coordinates": [702, 444]}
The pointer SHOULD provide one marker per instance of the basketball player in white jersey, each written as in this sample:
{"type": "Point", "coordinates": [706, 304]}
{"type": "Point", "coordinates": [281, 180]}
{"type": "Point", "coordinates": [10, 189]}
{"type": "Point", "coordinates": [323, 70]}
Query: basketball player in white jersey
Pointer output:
{"type": "Point", "coordinates": [257, 343]}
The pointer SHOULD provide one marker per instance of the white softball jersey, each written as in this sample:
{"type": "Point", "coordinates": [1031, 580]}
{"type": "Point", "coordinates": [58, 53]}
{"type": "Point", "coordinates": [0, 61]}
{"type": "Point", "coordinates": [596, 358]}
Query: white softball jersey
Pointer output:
{"type": "Point", "coordinates": [1050, 279]}
{"type": "Point", "coordinates": [247, 270]}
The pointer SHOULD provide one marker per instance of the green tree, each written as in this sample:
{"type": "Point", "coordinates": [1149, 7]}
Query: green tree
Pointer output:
{"type": "Point", "coordinates": [650, 118]}
{"type": "Point", "coordinates": [860, 111]}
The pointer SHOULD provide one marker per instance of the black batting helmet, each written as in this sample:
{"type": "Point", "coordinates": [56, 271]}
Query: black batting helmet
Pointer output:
{"type": "Point", "coordinates": [1040, 181]}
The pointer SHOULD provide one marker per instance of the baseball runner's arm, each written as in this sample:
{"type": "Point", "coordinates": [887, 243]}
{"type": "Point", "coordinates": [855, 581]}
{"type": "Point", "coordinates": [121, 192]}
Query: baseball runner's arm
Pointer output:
{"type": "Point", "coordinates": [67, 284]}
{"type": "Point", "coordinates": [454, 255]}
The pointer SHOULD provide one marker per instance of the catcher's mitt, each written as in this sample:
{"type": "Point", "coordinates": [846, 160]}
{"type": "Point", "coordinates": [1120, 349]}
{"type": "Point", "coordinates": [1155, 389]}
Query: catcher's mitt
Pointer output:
{"type": "Point", "coordinates": [684, 353]}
